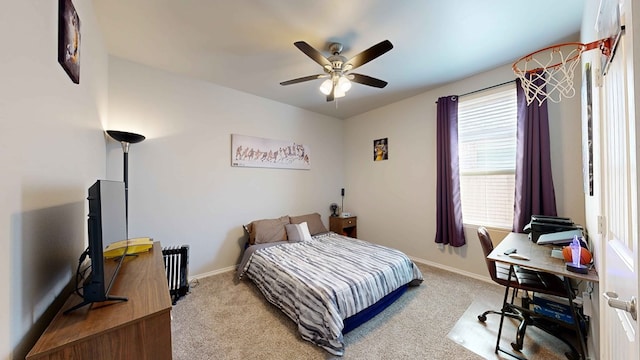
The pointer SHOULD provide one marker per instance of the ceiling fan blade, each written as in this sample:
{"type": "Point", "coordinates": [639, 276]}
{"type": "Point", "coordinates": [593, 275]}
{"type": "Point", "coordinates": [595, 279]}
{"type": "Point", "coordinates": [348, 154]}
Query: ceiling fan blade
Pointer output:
{"type": "Point", "coordinates": [369, 54]}
{"type": "Point", "coordinates": [314, 54]}
{"type": "Point", "coordinates": [303, 79]}
{"type": "Point", "coordinates": [367, 80]}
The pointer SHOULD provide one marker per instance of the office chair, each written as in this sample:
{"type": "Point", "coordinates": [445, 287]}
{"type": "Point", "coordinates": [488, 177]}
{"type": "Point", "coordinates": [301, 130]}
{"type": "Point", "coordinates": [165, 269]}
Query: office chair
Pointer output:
{"type": "Point", "coordinates": [499, 274]}
{"type": "Point", "coordinates": [527, 280]}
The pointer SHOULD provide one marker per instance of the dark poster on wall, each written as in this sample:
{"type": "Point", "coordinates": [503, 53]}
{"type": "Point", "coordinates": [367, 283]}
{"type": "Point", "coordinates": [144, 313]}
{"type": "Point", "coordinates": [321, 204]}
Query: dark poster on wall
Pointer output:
{"type": "Point", "coordinates": [587, 140]}
{"type": "Point", "coordinates": [69, 39]}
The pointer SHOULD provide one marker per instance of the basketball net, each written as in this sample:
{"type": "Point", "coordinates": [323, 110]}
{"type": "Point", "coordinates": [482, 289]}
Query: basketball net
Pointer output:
{"type": "Point", "coordinates": [555, 67]}
{"type": "Point", "coordinates": [547, 74]}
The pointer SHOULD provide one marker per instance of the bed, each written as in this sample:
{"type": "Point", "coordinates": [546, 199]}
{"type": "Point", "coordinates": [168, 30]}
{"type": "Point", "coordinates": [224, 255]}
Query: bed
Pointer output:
{"type": "Point", "coordinates": [325, 282]}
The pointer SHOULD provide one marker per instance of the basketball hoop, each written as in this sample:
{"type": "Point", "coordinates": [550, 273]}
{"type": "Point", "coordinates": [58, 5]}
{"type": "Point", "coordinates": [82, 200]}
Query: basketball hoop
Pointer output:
{"type": "Point", "coordinates": [555, 66]}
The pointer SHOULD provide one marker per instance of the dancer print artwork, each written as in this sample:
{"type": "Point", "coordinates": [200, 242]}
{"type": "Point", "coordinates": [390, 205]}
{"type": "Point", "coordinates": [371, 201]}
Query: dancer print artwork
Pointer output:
{"type": "Point", "coordinates": [249, 151]}
{"type": "Point", "coordinates": [380, 149]}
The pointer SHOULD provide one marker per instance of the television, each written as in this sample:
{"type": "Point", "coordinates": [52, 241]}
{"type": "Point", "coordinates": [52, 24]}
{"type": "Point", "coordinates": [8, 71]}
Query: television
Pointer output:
{"type": "Point", "coordinates": [107, 223]}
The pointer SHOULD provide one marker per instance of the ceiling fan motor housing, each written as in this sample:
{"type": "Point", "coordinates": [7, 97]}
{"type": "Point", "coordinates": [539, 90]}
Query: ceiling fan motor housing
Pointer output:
{"type": "Point", "coordinates": [335, 48]}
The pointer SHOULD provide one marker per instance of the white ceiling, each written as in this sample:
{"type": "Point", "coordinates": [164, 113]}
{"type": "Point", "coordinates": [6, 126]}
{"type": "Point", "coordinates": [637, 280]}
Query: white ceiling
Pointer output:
{"type": "Point", "coordinates": [248, 44]}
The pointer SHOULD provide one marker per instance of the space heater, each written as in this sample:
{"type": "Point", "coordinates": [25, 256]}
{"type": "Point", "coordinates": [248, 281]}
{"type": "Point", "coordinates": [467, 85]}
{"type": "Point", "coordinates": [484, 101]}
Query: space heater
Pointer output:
{"type": "Point", "coordinates": [176, 264]}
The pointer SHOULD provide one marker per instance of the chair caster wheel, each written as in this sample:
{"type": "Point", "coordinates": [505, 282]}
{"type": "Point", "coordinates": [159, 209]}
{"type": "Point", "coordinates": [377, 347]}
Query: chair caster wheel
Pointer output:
{"type": "Point", "coordinates": [516, 347]}
{"type": "Point", "coordinates": [572, 356]}
{"type": "Point", "coordinates": [482, 318]}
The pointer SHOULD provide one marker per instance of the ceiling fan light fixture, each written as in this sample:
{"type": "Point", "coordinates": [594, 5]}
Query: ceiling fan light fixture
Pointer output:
{"type": "Point", "coordinates": [344, 84]}
{"type": "Point", "coordinates": [325, 87]}
{"type": "Point", "coordinates": [336, 67]}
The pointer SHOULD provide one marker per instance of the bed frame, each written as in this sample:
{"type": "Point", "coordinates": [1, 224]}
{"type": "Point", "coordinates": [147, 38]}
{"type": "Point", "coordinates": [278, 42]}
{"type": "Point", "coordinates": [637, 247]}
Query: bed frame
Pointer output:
{"type": "Point", "coordinates": [367, 314]}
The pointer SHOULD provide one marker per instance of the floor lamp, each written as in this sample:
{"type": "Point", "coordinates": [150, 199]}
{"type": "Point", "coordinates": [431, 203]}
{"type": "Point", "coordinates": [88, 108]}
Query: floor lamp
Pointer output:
{"type": "Point", "coordinates": [125, 139]}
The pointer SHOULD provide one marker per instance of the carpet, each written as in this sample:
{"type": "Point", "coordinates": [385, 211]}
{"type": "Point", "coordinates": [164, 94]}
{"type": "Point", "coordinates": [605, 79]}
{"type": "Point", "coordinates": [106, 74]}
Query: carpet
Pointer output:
{"type": "Point", "coordinates": [480, 338]}
{"type": "Point", "coordinates": [225, 319]}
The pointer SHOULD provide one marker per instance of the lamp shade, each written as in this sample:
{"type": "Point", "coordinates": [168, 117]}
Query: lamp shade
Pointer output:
{"type": "Point", "coordinates": [124, 136]}
{"type": "Point", "coordinates": [325, 87]}
{"type": "Point", "coordinates": [344, 84]}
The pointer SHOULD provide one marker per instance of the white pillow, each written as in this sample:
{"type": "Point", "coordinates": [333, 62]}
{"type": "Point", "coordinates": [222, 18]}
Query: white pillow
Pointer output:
{"type": "Point", "coordinates": [298, 232]}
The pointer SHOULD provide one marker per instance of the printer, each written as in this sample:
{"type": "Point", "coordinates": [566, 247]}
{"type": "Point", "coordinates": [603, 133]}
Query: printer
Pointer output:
{"type": "Point", "coordinates": [544, 229]}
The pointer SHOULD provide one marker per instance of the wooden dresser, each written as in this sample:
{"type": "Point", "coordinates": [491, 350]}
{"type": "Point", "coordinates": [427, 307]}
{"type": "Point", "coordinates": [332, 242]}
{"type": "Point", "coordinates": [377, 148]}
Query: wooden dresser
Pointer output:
{"type": "Point", "coordinates": [139, 328]}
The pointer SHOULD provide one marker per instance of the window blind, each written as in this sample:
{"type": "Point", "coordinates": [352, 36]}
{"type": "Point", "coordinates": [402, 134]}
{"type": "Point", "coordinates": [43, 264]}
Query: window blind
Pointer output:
{"type": "Point", "coordinates": [487, 123]}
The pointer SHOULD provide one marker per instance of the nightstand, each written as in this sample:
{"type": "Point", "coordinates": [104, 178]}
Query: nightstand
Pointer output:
{"type": "Point", "coordinates": [347, 226]}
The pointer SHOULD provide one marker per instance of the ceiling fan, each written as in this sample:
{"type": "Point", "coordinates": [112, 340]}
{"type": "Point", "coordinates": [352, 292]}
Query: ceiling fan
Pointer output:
{"type": "Point", "coordinates": [337, 68]}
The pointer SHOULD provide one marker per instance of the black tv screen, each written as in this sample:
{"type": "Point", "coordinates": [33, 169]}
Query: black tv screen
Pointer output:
{"type": "Point", "coordinates": [107, 223]}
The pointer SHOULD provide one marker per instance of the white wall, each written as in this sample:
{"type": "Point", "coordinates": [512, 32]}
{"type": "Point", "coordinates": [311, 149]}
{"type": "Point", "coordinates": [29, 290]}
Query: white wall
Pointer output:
{"type": "Point", "coordinates": [51, 149]}
{"type": "Point", "coordinates": [395, 199]}
{"type": "Point", "coordinates": [182, 188]}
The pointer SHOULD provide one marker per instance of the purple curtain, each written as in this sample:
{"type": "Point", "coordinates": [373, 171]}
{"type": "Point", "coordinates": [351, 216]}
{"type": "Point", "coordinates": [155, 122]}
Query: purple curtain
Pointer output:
{"type": "Point", "coordinates": [449, 209]}
{"type": "Point", "coordinates": [534, 193]}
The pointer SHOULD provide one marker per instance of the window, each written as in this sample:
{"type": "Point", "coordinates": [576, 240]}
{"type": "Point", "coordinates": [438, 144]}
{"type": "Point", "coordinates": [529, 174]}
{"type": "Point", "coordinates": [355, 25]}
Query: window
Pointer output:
{"type": "Point", "coordinates": [487, 124]}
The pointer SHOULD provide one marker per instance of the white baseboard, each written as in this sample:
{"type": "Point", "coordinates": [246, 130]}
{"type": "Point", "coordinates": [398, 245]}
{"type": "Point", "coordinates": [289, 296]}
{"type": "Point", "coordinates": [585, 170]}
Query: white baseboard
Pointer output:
{"type": "Point", "coordinates": [214, 272]}
{"type": "Point", "coordinates": [453, 270]}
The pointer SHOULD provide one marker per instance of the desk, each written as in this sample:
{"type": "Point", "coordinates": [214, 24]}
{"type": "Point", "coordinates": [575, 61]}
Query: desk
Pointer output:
{"type": "Point", "coordinates": [539, 259]}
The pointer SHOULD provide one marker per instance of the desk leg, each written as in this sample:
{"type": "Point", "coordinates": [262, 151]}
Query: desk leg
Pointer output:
{"type": "Point", "coordinates": [504, 308]}
{"type": "Point", "coordinates": [576, 319]}
{"type": "Point", "coordinates": [506, 305]}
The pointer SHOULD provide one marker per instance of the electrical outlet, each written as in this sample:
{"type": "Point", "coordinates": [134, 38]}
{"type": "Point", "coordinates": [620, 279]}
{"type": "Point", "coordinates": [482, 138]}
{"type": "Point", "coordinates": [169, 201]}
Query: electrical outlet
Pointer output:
{"type": "Point", "coordinates": [602, 222]}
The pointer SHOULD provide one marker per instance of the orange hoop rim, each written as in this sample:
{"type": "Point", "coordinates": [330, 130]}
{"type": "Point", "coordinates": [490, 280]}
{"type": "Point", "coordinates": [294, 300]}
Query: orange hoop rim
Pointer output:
{"type": "Point", "coordinates": [580, 46]}
{"type": "Point", "coordinates": [603, 44]}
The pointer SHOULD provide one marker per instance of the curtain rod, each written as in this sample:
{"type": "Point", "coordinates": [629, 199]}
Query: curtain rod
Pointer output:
{"type": "Point", "coordinates": [483, 89]}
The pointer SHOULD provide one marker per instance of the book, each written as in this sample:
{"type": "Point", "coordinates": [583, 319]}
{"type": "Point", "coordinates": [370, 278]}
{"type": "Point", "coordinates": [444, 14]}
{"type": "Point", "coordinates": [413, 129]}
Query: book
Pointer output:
{"type": "Point", "coordinates": [131, 246]}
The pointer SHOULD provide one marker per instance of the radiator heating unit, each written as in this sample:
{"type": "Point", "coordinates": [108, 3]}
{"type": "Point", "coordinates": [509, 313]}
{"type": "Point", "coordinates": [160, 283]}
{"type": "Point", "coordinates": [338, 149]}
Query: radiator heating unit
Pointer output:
{"type": "Point", "coordinates": [176, 264]}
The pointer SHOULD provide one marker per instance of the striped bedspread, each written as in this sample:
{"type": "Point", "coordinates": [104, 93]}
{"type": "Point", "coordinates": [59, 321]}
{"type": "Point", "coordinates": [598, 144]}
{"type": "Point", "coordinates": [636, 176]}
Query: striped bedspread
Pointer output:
{"type": "Point", "coordinates": [321, 282]}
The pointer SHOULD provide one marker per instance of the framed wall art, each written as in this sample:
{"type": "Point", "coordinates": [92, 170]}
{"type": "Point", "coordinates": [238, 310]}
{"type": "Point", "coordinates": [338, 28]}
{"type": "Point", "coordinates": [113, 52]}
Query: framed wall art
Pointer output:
{"type": "Point", "coordinates": [250, 151]}
{"type": "Point", "coordinates": [69, 39]}
{"type": "Point", "coordinates": [381, 149]}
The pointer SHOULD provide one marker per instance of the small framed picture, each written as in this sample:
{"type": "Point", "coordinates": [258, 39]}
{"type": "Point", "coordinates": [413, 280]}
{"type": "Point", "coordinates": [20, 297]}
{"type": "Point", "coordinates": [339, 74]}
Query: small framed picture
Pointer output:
{"type": "Point", "coordinates": [69, 39]}
{"type": "Point", "coordinates": [381, 149]}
